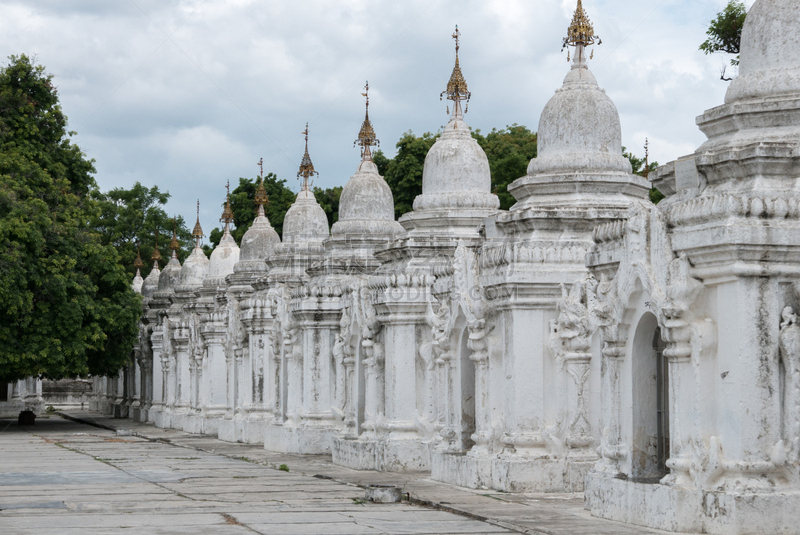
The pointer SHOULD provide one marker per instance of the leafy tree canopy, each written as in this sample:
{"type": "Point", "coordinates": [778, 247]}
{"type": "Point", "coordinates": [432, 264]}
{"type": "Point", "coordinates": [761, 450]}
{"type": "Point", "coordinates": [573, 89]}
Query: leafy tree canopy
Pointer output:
{"type": "Point", "coordinates": [725, 31]}
{"type": "Point", "coordinates": [244, 207]}
{"type": "Point", "coordinates": [128, 217]}
{"type": "Point", "coordinates": [509, 151]}
{"type": "Point", "coordinates": [66, 306]}
{"type": "Point", "coordinates": [328, 199]}
{"type": "Point", "coordinates": [403, 173]}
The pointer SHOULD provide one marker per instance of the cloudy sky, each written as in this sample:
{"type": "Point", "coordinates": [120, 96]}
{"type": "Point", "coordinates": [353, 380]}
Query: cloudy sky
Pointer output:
{"type": "Point", "coordinates": [187, 94]}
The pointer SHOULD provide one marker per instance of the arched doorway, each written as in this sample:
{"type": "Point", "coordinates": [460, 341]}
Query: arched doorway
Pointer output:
{"type": "Point", "coordinates": [650, 418]}
{"type": "Point", "coordinates": [467, 393]}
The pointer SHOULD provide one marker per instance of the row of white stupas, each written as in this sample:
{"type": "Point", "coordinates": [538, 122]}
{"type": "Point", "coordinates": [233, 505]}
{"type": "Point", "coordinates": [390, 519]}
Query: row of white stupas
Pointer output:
{"type": "Point", "coordinates": [584, 340]}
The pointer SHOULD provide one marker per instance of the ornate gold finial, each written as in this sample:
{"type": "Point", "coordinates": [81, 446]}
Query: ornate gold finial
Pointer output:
{"type": "Point", "coordinates": [261, 196]}
{"type": "Point", "coordinates": [227, 213]}
{"type": "Point", "coordinates": [174, 244]}
{"type": "Point", "coordinates": [306, 166]}
{"type": "Point", "coordinates": [457, 86]}
{"type": "Point", "coordinates": [261, 167]}
{"type": "Point", "coordinates": [156, 256]}
{"type": "Point", "coordinates": [366, 137]}
{"type": "Point", "coordinates": [646, 171]}
{"type": "Point", "coordinates": [581, 32]}
{"type": "Point", "coordinates": [138, 264]}
{"type": "Point", "coordinates": [197, 233]}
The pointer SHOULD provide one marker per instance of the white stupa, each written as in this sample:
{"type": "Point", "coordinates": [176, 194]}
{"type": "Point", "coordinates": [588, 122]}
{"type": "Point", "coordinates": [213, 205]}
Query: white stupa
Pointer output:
{"type": "Point", "coordinates": [226, 254]}
{"type": "Point", "coordinates": [366, 206]}
{"type": "Point", "coordinates": [305, 221]}
{"type": "Point", "coordinates": [579, 138]}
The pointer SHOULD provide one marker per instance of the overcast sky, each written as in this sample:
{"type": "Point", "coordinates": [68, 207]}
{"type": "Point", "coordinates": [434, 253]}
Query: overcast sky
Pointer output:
{"type": "Point", "coordinates": [187, 94]}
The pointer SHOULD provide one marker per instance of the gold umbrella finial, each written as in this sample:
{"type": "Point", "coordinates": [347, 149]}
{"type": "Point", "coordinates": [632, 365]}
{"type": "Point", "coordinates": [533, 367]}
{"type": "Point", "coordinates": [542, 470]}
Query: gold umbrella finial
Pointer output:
{"type": "Point", "coordinates": [306, 166]}
{"type": "Point", "coordinates": [580, 34]}
{"type": "Point", "coordinates": [138, 263]}
{"type": "Point", "coordinates": [227, 213]}
{"type": "Point", "coordinates": [457, 86]}
{"type": "Point", "coordinates": [261, 196]}
{"type": "Point", "coordinates": [197, 233]}
{"type": "Point", "coordinates": [174, 244]}
{"type": "Point", "coordinates": [366, 137]}
{"type": "Point", "coordinates": [156, 256]}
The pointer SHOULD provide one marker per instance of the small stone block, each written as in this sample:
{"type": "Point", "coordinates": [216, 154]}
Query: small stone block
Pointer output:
{"type": "Point", "coordinates": [383, 494]}
{"type": "Point", "coordinates": [686, 176]}
{"type": "Point", "coordinates": [124, 433]}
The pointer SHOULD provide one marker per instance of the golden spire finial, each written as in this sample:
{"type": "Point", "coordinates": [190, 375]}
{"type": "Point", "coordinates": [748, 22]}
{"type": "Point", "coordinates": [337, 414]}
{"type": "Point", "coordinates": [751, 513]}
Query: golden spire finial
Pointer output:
{"type": "Point", "coordinates": [197, 233]}
{"type": "Point", "coordinates": [156, 256]}
{"type": "Point", "coordinates": [646, 171]}
{"type": "Point", "coordinates": [306, 166]}
{"type": "Point", "coordinates": [138, 264]}
{"type": "Point", "coordinates": [261, 196]}
{"type": "Point", "coordinates": [580, 33]}
{"type": "Point", "coordinates": [366, 137]}
{"type": "Point", "coordinates": [227, 213]}
{"type": "Point", "coordinates": [457, 86]}
{"type": "Point", "coordinates": [174, 244]}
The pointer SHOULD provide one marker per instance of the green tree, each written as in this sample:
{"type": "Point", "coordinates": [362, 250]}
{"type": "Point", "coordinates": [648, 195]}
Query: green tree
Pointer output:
{"type": "Point", "coordinates": [403, 173]}
{"type": "Point", "coordinates": [509, 151]}
{"type": "Point", "coordinates": [328, 199]}
{"type": "Point", "coordinates": [725, 31]}
{"type": "Point", "coordinates": [244, 206]}
{"type": "Point", "coordinates": [67, 306]}
{"type": "Point", "coordinates": [131, 216]}
{"type": "Point", "coordinates": [639, 169]}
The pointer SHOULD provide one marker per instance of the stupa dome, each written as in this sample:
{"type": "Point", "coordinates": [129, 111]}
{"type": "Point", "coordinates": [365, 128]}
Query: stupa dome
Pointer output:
{"type": "Point", "coordinates": [150, 285]}
{"type": "Point", "coordinates": [223, 258]}
{"type": "Point", "coordinates": [366, 205]}
{"type": "Point", "coordinates": [195, 268]}
{"type": "Point", "coordinates": [579, 130]}
{"type": "Point", "coordinates": [260, 240]}
{"type": "Point", "coordinates": [170, 275]}
{"type": "Point", "coordinates": [456, 172]}
{"type": "Point", "coordinates": [770, 51]}
{"type": "Point", "coordinates": [226, 254]}
{"type": "Point", "coordinates": [305, 220]}
{"type": "Point", "coordinates": [137, 283]}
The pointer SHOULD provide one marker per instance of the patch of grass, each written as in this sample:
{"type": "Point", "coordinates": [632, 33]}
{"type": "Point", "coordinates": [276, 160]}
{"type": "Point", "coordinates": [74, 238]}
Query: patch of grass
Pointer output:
{"type": "Point", "coordinates": [359, 501]}
{"type": "Point", "coordinates": [283, 468]}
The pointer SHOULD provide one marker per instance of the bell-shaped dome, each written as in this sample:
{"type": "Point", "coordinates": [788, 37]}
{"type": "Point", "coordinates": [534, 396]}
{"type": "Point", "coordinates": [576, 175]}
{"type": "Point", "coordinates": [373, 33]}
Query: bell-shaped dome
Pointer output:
{"type": "Point", "coordinates": [305, 221]}
{"type": "Point", "coordinates": [456, 172]}
{"type": "Point", "coordinates": [579, 130]}
{"type": "Point", "coordinates": [150, 285]}
{"type": "Point", "coordinates": [366, 204]}
{"type": "Point", "coordinates": [170, 275]}
{"type": "Point", "coordinates": [260, 239]}
{"type": "Point", "coordinates": [770, 51]}
{"type": "Point", "coordinates": [223, 258]}
{"type": "Point", "coordinates": [195, 269]}
{"type": "Point", "coordinates": [137, 283]}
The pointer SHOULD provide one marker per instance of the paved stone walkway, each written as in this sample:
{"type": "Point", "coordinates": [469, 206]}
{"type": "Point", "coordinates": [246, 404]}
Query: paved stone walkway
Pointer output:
{"type": "Point", "coordinates": [66, 477]}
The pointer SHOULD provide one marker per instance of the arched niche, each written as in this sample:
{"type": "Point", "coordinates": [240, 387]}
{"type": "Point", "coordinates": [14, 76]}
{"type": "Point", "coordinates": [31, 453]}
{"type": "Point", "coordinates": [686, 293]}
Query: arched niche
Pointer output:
{"type": "Point", "coordinates": [650, 401]}
{"type": "Point", "coordinates": [466, 392]}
